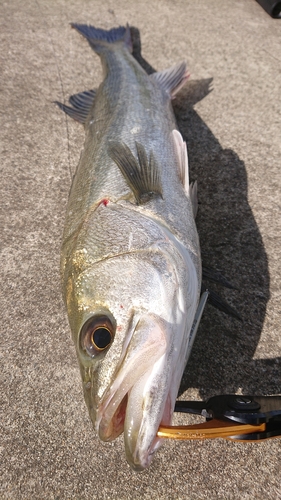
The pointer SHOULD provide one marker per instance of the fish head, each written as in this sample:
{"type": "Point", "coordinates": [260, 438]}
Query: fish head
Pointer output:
{"type": "Point", "coordinates": [133, 316]}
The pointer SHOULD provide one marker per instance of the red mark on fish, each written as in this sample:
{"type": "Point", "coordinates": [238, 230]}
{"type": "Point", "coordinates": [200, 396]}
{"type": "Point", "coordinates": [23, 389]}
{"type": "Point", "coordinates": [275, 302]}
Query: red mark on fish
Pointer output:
{"type": "Point", "coordinates": [104, 202]}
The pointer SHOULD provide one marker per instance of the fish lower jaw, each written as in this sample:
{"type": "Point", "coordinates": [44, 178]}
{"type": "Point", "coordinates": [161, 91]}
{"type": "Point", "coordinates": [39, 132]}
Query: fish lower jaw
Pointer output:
{"type": "Point", "coordinates": [139, 459]}
{"type": "Point", "coordinates": [140, 438]}
{"type": "Point", "coordinates": [142, 442]}
{"type": "Point", "coordinates": [134, 414]}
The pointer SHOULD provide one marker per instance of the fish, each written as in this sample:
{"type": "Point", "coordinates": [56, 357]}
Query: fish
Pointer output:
{"type": "Point", "coordinates": [130, 259]}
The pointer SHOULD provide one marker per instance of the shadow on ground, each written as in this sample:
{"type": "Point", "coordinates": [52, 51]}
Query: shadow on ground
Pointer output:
{"type": "Point", "coordinates": [222, 357]}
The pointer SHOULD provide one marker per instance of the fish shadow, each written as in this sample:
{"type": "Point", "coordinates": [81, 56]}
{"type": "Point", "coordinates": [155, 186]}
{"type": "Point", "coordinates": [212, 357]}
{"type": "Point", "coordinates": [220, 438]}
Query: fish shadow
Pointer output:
{"type": "Point", "coordinates": [222, 359]}
{"type": "Point", "coordinates": [222, 356]}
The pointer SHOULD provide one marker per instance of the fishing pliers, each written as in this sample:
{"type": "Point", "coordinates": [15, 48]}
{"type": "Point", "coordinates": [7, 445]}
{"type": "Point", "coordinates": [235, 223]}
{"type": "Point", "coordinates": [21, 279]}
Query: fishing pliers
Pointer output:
{"type": "Point", "coordinates": [244, 418]}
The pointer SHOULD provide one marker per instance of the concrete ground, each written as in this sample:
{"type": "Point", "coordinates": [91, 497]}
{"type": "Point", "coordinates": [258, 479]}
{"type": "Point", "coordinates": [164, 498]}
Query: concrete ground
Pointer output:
{"type": "Point", "coordinates": [49, 449]}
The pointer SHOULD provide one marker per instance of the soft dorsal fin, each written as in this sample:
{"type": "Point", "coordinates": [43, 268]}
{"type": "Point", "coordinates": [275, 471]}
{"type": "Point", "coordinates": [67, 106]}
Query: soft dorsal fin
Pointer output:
{"type": "Point", "coordinates": [82, 103]}
{"type": "Point", "coordinates": [172, 79]}
{"type": "Point", "coordinates": [141, 174]}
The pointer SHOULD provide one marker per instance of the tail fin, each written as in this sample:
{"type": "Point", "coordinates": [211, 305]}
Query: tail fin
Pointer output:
{"type": "Point", "coordinates": [99, 38]}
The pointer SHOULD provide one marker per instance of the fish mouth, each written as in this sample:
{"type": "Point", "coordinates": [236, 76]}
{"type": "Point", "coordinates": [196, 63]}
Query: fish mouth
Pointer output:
{"type": "Point", "coordinates": [111, 420]}
{"type": "Point", "coordinates": [132, 415]}
{"type": "Point", "coordinates": [138, 400]}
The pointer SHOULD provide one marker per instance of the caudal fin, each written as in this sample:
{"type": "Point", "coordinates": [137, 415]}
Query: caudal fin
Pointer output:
{"type": "Point", "coordinates": [99, 38]}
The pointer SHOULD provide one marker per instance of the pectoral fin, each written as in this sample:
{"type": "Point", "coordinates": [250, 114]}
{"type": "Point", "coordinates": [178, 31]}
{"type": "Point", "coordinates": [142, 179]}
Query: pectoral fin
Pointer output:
{"type": "Point", "coordinates": [141, 174]}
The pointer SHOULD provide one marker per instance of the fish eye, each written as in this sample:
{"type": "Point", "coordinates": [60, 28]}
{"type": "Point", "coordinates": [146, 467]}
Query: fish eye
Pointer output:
{"type": "Point", "coordinates": [96, 335]}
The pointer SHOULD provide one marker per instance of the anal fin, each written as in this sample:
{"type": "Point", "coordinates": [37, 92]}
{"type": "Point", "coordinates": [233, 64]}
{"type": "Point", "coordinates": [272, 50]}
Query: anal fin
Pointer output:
{"type": "Point", "coordinates": [141, 173]}
{"type": "Point", "coordinates": [81, 105]}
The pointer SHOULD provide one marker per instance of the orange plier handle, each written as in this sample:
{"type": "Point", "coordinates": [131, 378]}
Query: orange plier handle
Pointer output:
{"type": "Point", "coordinates": [208, 430]}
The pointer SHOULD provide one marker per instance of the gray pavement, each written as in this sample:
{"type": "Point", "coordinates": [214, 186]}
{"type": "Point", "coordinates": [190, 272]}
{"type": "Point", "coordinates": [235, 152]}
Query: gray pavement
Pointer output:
{"type": "Point", "coordinates": [49, 449]}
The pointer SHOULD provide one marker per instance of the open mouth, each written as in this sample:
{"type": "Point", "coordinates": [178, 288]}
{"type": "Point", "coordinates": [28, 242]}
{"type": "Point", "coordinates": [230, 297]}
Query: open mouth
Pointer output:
{"type": "Point", "coordinates": [112, 411]}
{"type": "Point", "coordinates": [143, 391]}
{"type": "Point", "coordinates": [111, 427]}
{"type": "Point", "coordinates": [138, 415]}
{"type": "Point", "coordinates": [130, 396]}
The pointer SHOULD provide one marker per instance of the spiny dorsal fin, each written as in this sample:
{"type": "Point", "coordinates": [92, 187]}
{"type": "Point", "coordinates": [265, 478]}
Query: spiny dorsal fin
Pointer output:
{"type": "Point", "coordinates": [82, 103]}
{"type": "Point", "coordinates": [216, 301]}
{"type": "Point", "coordinates": [141, 173]}
{"type": "Point", "coordinates": [209, 273]}
{"type": "Point", "coordinates": [172, 79]}
{"type": "Point", "coordinates": [193, 196]}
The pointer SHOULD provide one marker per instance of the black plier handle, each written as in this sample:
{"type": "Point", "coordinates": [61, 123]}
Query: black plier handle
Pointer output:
{"type": "Point", "coordinates": [246, 418]}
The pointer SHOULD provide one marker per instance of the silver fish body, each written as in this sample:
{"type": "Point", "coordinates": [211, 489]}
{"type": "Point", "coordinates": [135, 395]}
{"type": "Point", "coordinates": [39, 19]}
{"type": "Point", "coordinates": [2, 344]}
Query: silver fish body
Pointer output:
{"type": "Point", "coordinates": [130, 263]}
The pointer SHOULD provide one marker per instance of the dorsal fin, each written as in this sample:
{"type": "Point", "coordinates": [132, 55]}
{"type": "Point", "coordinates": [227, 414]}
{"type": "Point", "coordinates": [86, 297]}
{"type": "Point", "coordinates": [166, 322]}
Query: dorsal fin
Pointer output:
{"type": "Point", "coordinates": [216, 301]}
{"type": "Point", "coordinates": [82, 103]}
{"type": "Point", "coordinates": [172, 79]}
{"type": "Point", "coordinates": [209, 273]}
{"type": "Point", "coordinates": [193, 196]}
{"type": "Point", "coordinates": [141, 174]}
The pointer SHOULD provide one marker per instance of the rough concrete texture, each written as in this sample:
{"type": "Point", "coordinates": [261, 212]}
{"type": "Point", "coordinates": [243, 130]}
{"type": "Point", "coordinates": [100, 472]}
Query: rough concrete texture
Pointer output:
{"type": "Point", "coordinates": [49, 449]}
